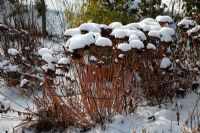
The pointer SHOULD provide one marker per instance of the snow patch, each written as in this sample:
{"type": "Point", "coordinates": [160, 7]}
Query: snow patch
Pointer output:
{"type": "Point", "coordinates": [165, 34]}
{"type": "Point", "coordinates": [43, 51]}
{"type": "Point", "coordinates": [4, 63]}
{"type": "Point", "coordinates": [186, 23]}
{"type": "Point", "coordinates": [23, 82]}
{"type": "Point", "coordinates": [93, 58]}
{"type": "Point", "coordinates": [194, 30]}
{"type": "Point", "coordinates": [13, 51]}
{"type": "Point", "coordinates": [11, 68]}
{"type": "Point", "coordinates": [165, 63]}
{"type": "Point", "coordinates": [80, 41]}
{"type": "Point", "coordinates": [149, 24]}
{"type": "Point", "coordinates": [48, 58]}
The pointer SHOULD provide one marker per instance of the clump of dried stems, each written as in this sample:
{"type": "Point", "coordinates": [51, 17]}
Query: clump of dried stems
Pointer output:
{"type": "Point", "coordinates": [98, 90]}
{"type": "Point", "coordinates": [22, 36]}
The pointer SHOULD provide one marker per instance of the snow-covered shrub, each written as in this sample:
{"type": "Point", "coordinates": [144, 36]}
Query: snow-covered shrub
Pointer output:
{"type": "Point", "coordinates": [108, 69]}
{"type": "Point", "coordinates": [18, 60]}
{"type": "Point", "coordinates": [192, 8]}
{"type": "Point", "coordinates": [188, 44]}
{"type": "Point", "coordinates": [103, 11]}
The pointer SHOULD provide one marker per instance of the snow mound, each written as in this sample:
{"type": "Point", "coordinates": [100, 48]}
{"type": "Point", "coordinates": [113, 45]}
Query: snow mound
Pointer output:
{"type": "Point", "coordinates": [165, 19]}
{"type": "Point", "coordinates": [139, 33]}
{"type": "Point", "coordinates": [165, 63]}
{"type": "Point", "coordinates": [165, 34]}
{"type": "Point", "coordinates": [119, 33]}
{"type": "Point", "coordinates": [186, 23]}
{"type": "Point", "coordinates": [48, 58]}
{"type": "Point", "coordinates": [72, 32]}
{"type": "Point", "coordinates": [64, 61]}
{"type": "Point", "coordinates": [115, 25]}
{"type": "Point", "coordinates": [49, 66]}
{"type": "Point", "coordinates": [44, 51]}
{"type": "Point", "coordinates": [4, 104]}
{"type": "Point", "coordinates": [151, 46]}
{"type": "Point", "coordinates": [80, 41]}
{"type": "Point", "coordinates": [124, 47]}
{"type": "Point", "coordinates": [136, 44]}
{"type": "Point", "coordinates": [13, 51]}
{"type": "Point", "coordinates": [103, 41]}
{"type": "Point", "coordinates": [90, 27]}
{"type": "Point", "coordinates": [149, 24]}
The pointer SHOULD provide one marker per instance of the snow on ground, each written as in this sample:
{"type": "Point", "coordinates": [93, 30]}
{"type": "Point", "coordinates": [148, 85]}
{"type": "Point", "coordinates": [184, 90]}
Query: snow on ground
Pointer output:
{"type": "Point", "coordinates": [11, 119]}
{"type": "Point", "coordinates": [165, 118]}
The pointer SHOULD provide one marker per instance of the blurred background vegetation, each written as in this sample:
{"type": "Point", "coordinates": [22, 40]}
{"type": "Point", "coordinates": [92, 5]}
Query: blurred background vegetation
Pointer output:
{"type": "Point", "coordinates": [124, 11]}
{"type": "Point", "coordinates": [127, 11]}
{"type": "Point", "coordinates": [105, 11]}
{"type": "Point", "coordinates": [192, 8]}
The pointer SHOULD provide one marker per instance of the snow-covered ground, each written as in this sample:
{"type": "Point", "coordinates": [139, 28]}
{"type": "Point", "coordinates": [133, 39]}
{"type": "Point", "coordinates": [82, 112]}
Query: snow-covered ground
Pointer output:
{"type": "Point", "coordinates": [165, 118]}
{"type": "Point", "coordinates": [9, 120]}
